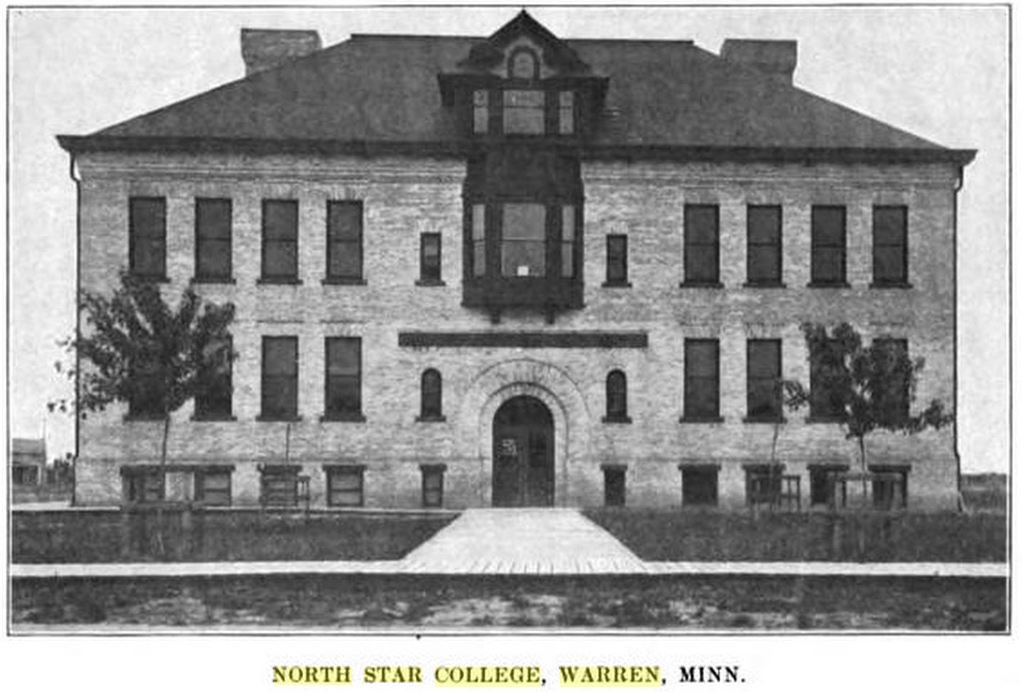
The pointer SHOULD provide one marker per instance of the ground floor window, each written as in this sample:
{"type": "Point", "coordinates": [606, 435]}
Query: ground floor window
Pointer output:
{"type": "Point", "coordinates": [823, 484]}
{"type": "Point", "coordinates": [345, 486]}
{"type": "Point", "coordinates": [278, 485]}
{"type": "Point", "coordinates": [141, 485]}
{"type": "Point", "coordinates": [213, 487]}
{"type": "Point", "coordinates": [614, 485]}
{"type": "Point", "coordinates": [699, 485]}
{"type": "Point", "coordinates": [433, 485]}
{"type": "Point", "coordinates": [25, 475]}
{"type": "Point", "coordinates": [890, 487]}
{"type": "Point", "coordinates": [763, 483]}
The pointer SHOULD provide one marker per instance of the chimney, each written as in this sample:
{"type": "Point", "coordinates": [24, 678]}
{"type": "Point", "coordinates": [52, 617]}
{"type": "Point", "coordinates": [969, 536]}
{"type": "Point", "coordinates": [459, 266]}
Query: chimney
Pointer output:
{"type": "Point", "coordinates": [777, 58]}
{"type": "Point", "coordinates": [263, 49]}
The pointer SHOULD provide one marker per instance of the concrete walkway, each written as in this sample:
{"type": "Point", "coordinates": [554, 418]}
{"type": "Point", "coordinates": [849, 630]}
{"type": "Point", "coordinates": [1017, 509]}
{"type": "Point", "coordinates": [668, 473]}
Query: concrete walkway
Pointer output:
{"type": "Point", "coordinates": [515, 541]}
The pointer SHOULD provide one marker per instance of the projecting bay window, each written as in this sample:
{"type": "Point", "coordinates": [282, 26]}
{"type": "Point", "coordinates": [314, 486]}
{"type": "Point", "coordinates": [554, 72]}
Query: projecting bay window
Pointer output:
{"type": "Point", "coordinates": [524, 112]}
{"type": "Point", "coordinates": [523, 253]}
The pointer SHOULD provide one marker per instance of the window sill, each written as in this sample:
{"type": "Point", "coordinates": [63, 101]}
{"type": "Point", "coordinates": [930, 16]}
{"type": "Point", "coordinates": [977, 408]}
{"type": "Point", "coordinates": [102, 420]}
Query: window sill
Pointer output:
{"type": "Point", "coordinates": [214, 419]}
{"type": "Point", "coordinates": [341, 281]}
{"type": "Point", "coordinates": [617, 419]}
{"type": "Point", "coordinates": [828, 284]}
{"type": "Point", "coordinates": [278, 419]}
{"type": "Point", "coordinates": [896, 285]}
{"type": "Point", "coordinates": [616, 284]}
{"type": "Point", "coordinates": [283, 281]}
{"type": "Point", "coordinates": [342, 418]}
{"type": "Point", "coordinates": [700, 284]}
{"type": "Point", "coordinates": [431, 419]}
{"type": "Point", "coordinates": [764, 419]}
{"type": "Point", "coordinates": [764, 284]}
{"type": "Point", "coordinates": [429, 283]}
{"type": "Point", "coordinates": [701, 419]}
{"type": "Point", "coordinates": [213, 280]}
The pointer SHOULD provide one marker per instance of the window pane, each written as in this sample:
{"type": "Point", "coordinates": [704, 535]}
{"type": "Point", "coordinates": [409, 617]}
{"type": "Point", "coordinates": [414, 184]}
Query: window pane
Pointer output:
{"type": "Point", "coordinates": [523, 65]}
{"type": "Point", "coordinates": [701, 243]}
{"type": "Point", "coordinates": [524, 111]}
{"type": "Point", "coordinates": [617, 402]}
{"type": "Point", "coordinates": [828, 265]}
{"type": "Point", "coordinates": [345, 487]}
{"type": "Point", "coordinates": [828, 226]}
{"type": "Point", "coordinates": [344, 375]}
{"type": "Point", "coordinates": [764, 225]}
{"type": "Point", "coordinates": [524, 222]}
{"type": "Point", "coordinates": [149, 257]}
{"type": "Point", "coordinates": [213, 258]}
{"type": "Point", "coordinates": [281, 259]}
{"type": "Point", "coordinates": [431, 394]}
{"type": "Point", "coordinates": [889, 225]}
{"type": "Point", "coordinates": [700, 223]}
{"type": "Point", "coordinates": [280, 397]}
{"type": "Point", "coordinates": [701, 264]}
{"type": "Point", "coordinates": [764, 264]}
{"type": "Point", "coordinates": [429, 269]}
{"type": "Point", "coordinates": [566, 113]}
{"type": "Point", "coordinates": [345, 260]}
{"type": "Point", "coordinates": [523, 258]}
{"type": "Point", "coordinates": [478, 258]}
{"type": "Point", "coordinates": [280, 220]}
{"type": "Point", "coordinates": [213, 218]}
{"type": "Point", "coordinates": [701, 378]}
{"type": "Point", "coordinates": [478, 221]}
{"type": "Point", "coordinates": [280, 355]}
{"type": "Point", "coordinates": [764, 358]}
{"type": "Point", "coordinates": [215, 399]}
{"type": "Point", "coordinates": [617, 263]}
{"type": "Point", "coordinates": [344, 220]}
{"type": "Point", "coordinates": [888, 264]}
{"type": "Point", "coordinates": [699, 486]}
{"type": "Point", "coordinates": [148, 217]}
{"type": "Point", "coordinates": [344, 355]}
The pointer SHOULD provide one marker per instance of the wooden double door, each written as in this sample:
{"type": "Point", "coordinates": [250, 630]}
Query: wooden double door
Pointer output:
{"type": "Point", "coordinates": [523, 454]}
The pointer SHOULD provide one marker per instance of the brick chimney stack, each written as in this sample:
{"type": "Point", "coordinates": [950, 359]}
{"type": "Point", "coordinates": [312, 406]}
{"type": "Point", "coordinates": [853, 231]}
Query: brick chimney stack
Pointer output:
{"type": "Point", "coordinates": [777, 58]}
{"type": "Point", "coordinates": [263, 49]}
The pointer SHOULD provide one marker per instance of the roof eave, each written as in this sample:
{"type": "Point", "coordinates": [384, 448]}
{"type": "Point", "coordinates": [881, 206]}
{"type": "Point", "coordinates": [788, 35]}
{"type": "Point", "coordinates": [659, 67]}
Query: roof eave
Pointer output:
{"type": "Point", "coordinates": [862, 155]}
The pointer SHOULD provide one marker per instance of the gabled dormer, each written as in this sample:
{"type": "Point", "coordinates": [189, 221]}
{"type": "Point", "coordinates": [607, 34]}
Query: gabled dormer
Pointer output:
{"type": "Point", "coordinates": [523, 82]}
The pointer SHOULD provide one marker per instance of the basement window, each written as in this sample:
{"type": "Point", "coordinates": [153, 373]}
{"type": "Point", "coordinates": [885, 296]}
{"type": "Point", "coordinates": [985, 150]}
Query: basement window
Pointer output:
{"type": "Point", "coordinates": [698, 485]}
{"type": "Point", "coordinates": [613, 485]}
{"type": "Point", "coordinates": [433, 485]}
{"type": "Point", "coordinates": [345, 486]}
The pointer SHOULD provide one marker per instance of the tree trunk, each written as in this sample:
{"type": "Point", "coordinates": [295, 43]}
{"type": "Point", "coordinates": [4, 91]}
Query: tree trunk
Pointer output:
{"type": "Point", "coordinates": [160, 547]}
{"type": "Point", "coordinates": [862, 463]}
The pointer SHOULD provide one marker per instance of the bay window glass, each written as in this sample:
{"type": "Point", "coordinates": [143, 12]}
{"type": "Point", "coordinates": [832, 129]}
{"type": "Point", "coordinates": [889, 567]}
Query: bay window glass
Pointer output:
{"type": "Point", "coordinates": [523, 244]}
{"type": "Point", "coordinates": [524, 111]}
{"type": "Point", "coordinates": [568, 240]}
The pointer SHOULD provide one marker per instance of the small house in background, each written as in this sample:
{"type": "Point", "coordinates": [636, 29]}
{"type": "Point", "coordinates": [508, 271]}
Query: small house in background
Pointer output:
{"type": "Point", "coordinates": [28, 462]}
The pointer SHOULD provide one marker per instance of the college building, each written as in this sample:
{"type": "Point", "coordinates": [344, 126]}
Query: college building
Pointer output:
{"type": "Point", "coordinates": [519, 270]}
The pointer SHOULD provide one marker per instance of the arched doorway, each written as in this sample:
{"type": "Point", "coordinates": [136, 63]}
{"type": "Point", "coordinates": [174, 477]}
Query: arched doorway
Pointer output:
{"type": "Point", "coordinates": [523, 454]}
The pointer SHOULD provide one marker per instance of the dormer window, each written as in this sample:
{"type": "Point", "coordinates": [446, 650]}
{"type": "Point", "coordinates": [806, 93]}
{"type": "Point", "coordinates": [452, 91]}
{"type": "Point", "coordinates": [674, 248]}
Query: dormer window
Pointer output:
{"type": "Point", "coordinates": [524, 111]}
{"type": "Point", "coordinates": [523, 65]}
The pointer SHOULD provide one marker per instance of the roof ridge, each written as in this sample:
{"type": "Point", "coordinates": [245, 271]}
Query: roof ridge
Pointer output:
{"type": "Point", "coordinates": [464, 37]}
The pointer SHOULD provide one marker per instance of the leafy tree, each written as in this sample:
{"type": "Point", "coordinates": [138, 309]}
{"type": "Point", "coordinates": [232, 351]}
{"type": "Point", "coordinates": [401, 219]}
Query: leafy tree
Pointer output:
{"type": "Point", "coordinates": [137, 349]}
{"type": "Point", "coordinates": [866, 388]}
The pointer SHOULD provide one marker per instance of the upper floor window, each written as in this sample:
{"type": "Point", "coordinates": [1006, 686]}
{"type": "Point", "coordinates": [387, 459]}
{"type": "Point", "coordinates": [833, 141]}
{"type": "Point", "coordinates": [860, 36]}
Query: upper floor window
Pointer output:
{"type": "Point", "coordinates": [429, 259]}
{"type": "Point", "coordinates": [147, 237]}
{"type": "Point", "coordinates": [763, 230]}
{"type": "Point", "coordinates": [826, 367]}
{"type": "Point", "coordinates": [432, 396]}
{"type": "Point", "coordinates": [214, 401]}
{"type": "Point", "coordinates": [344, 241]}
{"type": "Point", "coordinates": [617, 396]}
{"type": "Point", "coordinates": [702, 379]}
{"type": "Point", "coordinates": [890, 246]}
{"type": "Point", "coordinates": [280, 378]}
{"type": "Point", "coordinates": [280, 240]}
{"type": "Point", "coordinates": [212, 239]}
{"type": "Point", "coordinates": [344, 378]}
{"type": "Point", "coordinates": [146, 398]}
{"type": "Point", "coordinates": [763, 365]}
{"type": "Point", "coordinates": [828, 246]}
{"type": "Point", "coordinates": [523, 65]}
{"type": "Point", "coordinates": [891, 357]}
{"type": "Point", "coordinates": [702, 244]}
{"type": "Point", "coordinates": [617, 260]}
{"type": "Point", "coordinates": [524, 111]}
{"type": "Point", "coordinates": [523, 241]}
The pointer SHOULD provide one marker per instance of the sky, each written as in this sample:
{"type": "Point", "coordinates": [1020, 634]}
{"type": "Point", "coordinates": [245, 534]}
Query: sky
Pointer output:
{"type": "Point", "coordinates": [938, 72]}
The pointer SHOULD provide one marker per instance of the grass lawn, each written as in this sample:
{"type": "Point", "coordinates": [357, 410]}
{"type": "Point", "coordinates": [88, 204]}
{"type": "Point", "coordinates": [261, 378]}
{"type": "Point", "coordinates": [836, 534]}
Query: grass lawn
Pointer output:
{"type": "Point", "coordinates": [733, 536]}
{"type": "Point", "coordinates": [435, 602]}
{"type": "Point", "coordinates": [45, 537]}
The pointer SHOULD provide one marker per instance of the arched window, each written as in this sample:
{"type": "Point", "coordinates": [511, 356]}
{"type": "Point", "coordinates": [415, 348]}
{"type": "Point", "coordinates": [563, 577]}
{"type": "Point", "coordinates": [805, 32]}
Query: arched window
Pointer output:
{"type": "Point", "coordinates": [617, 396]}
{"type": "Point", "coordinates": [523, 65]}
{"type": "Point", "coordinates": [432, 396]}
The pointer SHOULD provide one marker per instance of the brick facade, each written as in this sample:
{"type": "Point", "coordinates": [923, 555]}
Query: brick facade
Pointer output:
{"type": "Point", "coordinates": [406, 197]}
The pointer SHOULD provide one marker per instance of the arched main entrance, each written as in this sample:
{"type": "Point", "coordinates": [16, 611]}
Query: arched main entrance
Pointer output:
{"type": "Point", "coordinates": [523, 454]}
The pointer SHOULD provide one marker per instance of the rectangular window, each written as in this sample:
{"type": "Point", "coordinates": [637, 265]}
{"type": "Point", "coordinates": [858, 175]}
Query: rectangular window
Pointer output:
{"type": "Point", "coordinates": [568, 241]}
{"type": "Point", "coordinates": [214, 401]}
{"type": "Point", "coordinates": [344, 241]}
{"type": "Point", "coordinates": [280, 378]}
{"type": "Point", "coordinates": [212, 239]}
{"type": "Point", "coordinates": [433, 485]}
{"type": "Point", "coordinates": [524, 111]}
{"type": "Point", "coordinates": [763, 364]}
{"type": "Point", "coordinates": [345, 486]}
{"type": "Point", "coordinates": [213, 487]}
{"type": "Point", "coordinates": [824, 401]}
{"type": "Point", "coordinates": [614, 486]}
{"type": "Point", "coordinates": [566, 112]}
{"type": "Point", "coordinates": [429, 258]}
{"type": "Point", "coordinates": [141, 485]}
{"type": "Point", "coordinates": [890, 246]}
{"type": "Point", "coordinates": [890, 353]}
{"type": "Point", "coordinates": [890, 487]}
{"type": "Point", "coordinates": [699, 486]}
{"type": "Point", "coordinates": [147, 237]}
{"type": "Point", "coordinates": [763, 257]}
{"type": "Point", "coordinates": [523, 241]}
{"type": "Point", "coordinates": [702, 244]}
{"type": "Point", "coordinates": [823, 484]}
{"type": "Point", "coordinates": [763, 484]}
{"type": "Point", "coordinates": [617, 260]}
{"type": "Point", "coordinates": [146, 400]}
{"type": "Point", "coordinates": [828, 246]}
{"type": "Point", "coordinates": [280, 240]}
{"type": "Point", "coordinates": [480, 111]}
{"type": "Point", "coordinates": [343, 377]}
{"type": "Point", "coordinates": [478, 240]}
{"type": "Point", "coordinates": [702, 379]}
{"type": "Point", "coordinates": [278, 485]}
